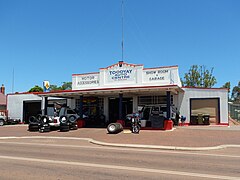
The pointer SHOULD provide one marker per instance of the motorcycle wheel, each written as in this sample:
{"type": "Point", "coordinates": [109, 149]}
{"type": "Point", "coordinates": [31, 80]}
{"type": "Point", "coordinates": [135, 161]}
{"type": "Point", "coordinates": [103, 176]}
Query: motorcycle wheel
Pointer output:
{"type": "Point", "coordinates": [136, 129]}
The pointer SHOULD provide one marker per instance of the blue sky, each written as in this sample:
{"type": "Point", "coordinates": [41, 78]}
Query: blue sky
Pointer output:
{"type": "Point", "coordinates": [53, 39]}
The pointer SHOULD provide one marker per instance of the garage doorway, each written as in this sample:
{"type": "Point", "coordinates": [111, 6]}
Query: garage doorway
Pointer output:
{"type": "Point", "coordinates": [204, 106]}
{"type": "Point", "coordinates": [31, 108]}
{"type": "Point", "coordinates": [127, 108]}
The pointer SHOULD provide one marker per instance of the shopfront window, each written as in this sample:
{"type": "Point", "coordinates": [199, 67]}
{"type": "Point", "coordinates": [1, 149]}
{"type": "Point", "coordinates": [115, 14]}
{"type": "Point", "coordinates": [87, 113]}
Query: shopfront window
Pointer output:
{"type": "Point", "coordinates": [149, 100]}
{"type": "Point", "coordinates": [91, 105]}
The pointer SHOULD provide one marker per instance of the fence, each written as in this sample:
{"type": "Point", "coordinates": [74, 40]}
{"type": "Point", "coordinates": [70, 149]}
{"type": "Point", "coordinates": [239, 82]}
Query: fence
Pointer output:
{"type": "Point", "coordinates": [234, 111]}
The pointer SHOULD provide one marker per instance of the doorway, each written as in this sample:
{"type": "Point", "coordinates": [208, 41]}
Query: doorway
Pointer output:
{"type": "Point", "coordinates": [209, 106]}
{"type": "Point", "coordinates": [127, 108]}
{"type": "Point", "coordinates": [30, 108]}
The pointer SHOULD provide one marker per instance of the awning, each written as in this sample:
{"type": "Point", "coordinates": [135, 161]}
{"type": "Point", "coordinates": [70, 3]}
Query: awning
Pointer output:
{"type": "Point", "coordinates": [140, 90]}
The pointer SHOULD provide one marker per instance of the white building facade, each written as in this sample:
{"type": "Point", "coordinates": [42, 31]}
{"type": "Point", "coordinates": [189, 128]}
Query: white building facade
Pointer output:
{"type": "Point", "coordinates": [124, 88]}
{"type": "Point", "coordinates": [16, 107]}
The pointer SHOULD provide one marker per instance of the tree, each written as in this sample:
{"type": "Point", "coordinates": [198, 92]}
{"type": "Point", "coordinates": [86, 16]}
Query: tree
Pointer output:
{"type": "Point", "coordinates": [64, 86]}
{"type": "Point", "coordinates": [67, 86]}
{"type": "Point", "coordinates": [236, 93]}
{"type": "Point", "coordinates": [54, 87]}
{"type": "Point", "coordinates": [227, 85]}
{"type": "Point", "coordinates": [199, 76]}
{"type": "Point", "coordinates": [36, 88]}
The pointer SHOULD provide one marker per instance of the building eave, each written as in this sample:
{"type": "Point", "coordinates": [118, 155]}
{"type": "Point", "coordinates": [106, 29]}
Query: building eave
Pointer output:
{"type": "Point", "coordinates": [108, 91]}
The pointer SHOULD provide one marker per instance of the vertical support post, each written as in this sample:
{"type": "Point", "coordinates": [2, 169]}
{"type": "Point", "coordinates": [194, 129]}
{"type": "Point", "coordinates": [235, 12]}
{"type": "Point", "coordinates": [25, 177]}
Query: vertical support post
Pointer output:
{"type": "Point", "coordinates": [106, 108]}
{"type": "Point", "coordinates": [120, 106]}
{"type": "Point", "coordinates": [81, 106]}
{"type": "Point", "coordinates": [135, 104]}
{"type": "Point", "coordinates": [168, 104]}
{"type": "Point", "coordinates": [45, 105]}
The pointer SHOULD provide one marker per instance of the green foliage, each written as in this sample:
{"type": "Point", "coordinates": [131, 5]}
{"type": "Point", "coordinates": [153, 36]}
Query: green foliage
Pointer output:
{"type": "Point", "coordinates": [64, 86]}
{"type": "Point", "coordinates": [54, 88]}
{"type": "Point", "coordinates": [236, 93]}
{"type": "Point", "coordinates": [227, 85]}
{"type": "Point", "coordinates": [67, 86]}
{"type": "Point", "coordinates": [192, 78]}
{"type": "Point", "coordinates": [36, 88]}
{"type": "Point", "coordinates": [199, 76]}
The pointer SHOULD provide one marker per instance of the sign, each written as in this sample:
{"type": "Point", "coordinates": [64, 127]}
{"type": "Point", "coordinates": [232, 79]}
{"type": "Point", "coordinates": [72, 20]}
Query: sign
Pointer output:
{"type": "Point", "coordinates": [121, 74]}
{"type": "Point", "coordinates": [46, 86]}
{"type": "Point", "coordinates": [157, 75]}
{"type": "Point", "coordinates": [87, 80]}
{"type": "Point", "coordinates": [126, 75]}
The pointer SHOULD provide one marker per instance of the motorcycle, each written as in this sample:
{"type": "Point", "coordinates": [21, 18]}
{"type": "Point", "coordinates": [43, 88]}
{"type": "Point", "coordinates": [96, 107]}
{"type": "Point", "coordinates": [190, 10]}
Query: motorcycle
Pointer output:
{"type": "Point", "coordinates": [135, 123]}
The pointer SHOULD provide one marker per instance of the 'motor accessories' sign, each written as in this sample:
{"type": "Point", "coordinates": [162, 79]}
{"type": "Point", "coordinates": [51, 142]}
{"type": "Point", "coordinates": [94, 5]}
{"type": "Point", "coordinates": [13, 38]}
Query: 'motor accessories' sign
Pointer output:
{"type": "Point", "coordinates": [88, 80]}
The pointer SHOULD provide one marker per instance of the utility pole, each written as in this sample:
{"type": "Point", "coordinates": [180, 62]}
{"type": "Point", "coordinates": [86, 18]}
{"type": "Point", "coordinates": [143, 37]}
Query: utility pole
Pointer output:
{"type": "Point", "coordinates": [122, 30]}
{"type": "Point", "coordinates": [13, 81]}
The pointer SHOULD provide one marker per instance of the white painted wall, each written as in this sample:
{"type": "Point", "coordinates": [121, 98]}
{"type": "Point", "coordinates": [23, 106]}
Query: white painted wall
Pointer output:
{"type": "Point", "coordinates": [15, 104]}
{"type": "Point", "coordinates": [184, 101]}
{"type": "Point", "coordinates": [175, 101]}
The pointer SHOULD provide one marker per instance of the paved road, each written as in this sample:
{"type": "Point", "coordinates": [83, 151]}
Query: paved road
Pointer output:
{"type": "Point", "coordinates": [49, 158]}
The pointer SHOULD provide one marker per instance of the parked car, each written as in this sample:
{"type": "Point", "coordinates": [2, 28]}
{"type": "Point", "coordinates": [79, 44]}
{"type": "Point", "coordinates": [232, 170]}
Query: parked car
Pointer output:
{"type": "Point", "coordinates": [54, 117]}
{"type": "Point", "coordinates": [145, 113]}
{"type": "Point", "coordinates": [5, 120]}
{"type": "Point", "coordinates": [2, 120]}
{"type": "Point", "coordinates": [68, 119]}
{"type": "Point", "coordinates": [13, 121]}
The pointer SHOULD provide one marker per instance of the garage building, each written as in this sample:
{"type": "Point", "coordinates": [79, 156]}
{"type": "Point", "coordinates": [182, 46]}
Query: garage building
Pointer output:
{"type": "Point", "coordinates": [124, 88]}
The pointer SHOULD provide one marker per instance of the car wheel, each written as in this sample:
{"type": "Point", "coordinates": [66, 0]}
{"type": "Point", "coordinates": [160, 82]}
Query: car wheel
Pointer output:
{"type": "Point", "coordinates": [1, 122]}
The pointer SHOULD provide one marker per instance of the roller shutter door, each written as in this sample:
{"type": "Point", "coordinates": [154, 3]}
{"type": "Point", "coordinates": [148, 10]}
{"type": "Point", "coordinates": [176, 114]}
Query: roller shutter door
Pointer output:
{"type": "Point", "coordinates": [206, 106]}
